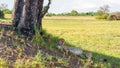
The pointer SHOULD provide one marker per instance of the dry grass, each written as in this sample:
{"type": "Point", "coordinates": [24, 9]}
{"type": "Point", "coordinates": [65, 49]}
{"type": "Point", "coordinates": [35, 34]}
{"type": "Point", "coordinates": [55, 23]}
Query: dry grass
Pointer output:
{"type": "Point", "coordinates": [8, 15]}
{"type": "Point", "coordinates": [71, 17]}
{"type": "Point", "coordinates": [62, 17]}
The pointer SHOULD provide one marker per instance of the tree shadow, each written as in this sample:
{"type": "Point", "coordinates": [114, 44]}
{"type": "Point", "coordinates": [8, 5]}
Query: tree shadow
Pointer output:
{"type": "Point", "coordinates": [97, 57]}
{"type": "Point", "coordinates": [114, 61]}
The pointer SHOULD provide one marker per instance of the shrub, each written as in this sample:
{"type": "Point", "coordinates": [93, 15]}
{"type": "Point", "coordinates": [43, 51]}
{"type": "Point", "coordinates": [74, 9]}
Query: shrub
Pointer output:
{"type": "Point", "coordinates": [74, 13]}
{"type": "Point", "coordinates": [7, 11]}
{"type": "Point", "coordinates": [104, 16]}
{"type": "Point", "coordinates": [1, 14]}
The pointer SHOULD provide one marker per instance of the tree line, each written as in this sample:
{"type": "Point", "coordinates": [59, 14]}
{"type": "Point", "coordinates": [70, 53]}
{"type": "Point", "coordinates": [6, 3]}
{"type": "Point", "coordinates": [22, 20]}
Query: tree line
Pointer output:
{"type": "Point", "coordinates": [75, 13]}
{"type": "Point", "coordinates": [102, 13]}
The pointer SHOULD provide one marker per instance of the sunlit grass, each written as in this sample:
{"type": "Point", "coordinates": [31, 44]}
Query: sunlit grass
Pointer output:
{"type": "Point", "coordinates": [99, 36]}
{"type": "Point", "coordinates": [5, 20]}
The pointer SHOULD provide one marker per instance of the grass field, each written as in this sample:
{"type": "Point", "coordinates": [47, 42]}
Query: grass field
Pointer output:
{"type": "Point", "coordinates": [101, 37]}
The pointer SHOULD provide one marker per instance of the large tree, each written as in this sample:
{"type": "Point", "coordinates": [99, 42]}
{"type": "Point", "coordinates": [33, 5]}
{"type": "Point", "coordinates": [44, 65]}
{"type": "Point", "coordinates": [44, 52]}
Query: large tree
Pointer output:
{"type": "Point", "coordinates": [103, 9]}
{"type": "Point", "coordinates": [28, 14]}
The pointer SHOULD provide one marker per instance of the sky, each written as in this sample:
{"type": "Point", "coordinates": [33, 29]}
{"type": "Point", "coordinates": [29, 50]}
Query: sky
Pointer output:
{"type": "Point", "coordinates": [64, 6]}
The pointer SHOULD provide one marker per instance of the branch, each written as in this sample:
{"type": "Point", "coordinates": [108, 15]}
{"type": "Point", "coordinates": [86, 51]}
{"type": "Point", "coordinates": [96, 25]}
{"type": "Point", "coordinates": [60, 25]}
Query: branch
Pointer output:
{"type": "Point", "coordinates": [45, 9]}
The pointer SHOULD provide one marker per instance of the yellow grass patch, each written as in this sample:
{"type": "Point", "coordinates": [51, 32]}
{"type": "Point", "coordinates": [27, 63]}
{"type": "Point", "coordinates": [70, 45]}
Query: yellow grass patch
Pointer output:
{"type": "Point", "coordinates": [8, 15]}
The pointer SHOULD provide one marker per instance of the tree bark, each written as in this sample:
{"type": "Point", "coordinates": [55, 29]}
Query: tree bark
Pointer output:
{"type": "Point", "coordinates": [27, 16]}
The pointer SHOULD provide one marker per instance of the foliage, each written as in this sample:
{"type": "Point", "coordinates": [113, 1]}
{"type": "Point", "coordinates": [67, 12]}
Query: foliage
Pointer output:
{"type": "Point", "coordinates": [37, 38]}
{"type": "Point", "coordinates": [104, 9]}
{"type": "Point", "coordinates": [1, 14]}
{"type": "Point", "coordinates": [102, 13]}
{"type": "Point", "coordinates": [4, 10]}
{"type": "Point", "coordinates": [7, 11]}
{"type": "Point", "coordinates": [74, 13]}
{"type": "Point", "coordinates": [99, 13]}
{"type": "Point", "coordinates": [50, 14]}
{"type": "Point", "coordinates": [103, 16]}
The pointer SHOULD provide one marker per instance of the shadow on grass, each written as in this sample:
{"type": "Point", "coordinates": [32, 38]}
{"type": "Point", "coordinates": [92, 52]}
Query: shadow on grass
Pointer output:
{"type": "Point", "coordinates": [97, 57]}
{"type": "Point", "coordinates": [114, 61]}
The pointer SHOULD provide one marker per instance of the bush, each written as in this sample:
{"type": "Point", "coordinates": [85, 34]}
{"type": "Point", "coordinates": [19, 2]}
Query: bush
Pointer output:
{"type": "Point", "coordinates": [1, 14]}
{"type": "Point", "coordinates": [104, 16]}
{"type": "Point", "coordinates": [74, 13]}
{"type": "Point", "coordinates": [7, 11]}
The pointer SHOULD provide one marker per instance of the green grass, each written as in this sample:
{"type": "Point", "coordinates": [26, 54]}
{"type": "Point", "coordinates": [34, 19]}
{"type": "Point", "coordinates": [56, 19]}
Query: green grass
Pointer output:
{"type": "Point", "coordinates": [98, 36]}
{"type": "Point", "coordinates": [5, 20]}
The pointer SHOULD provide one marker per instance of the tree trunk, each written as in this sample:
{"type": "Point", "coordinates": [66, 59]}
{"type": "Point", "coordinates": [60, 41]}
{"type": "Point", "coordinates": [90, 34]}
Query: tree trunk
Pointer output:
{"type": "Point", "coordinates": [27, 16]}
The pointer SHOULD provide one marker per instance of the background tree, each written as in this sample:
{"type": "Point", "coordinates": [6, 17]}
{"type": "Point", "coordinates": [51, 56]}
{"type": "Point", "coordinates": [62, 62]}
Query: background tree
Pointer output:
{"type": "Point", "coordinates": [104, 9]}
{"type": "Point", "coordinates": [1, 14]}
{"type": "Point", "coordinates": [28, 14]}
{"type": "Point", "coordinates": [74, 12]}
{"type": "Point", "coordinates": [7, 11]}
{"type": "Point", "coordinates": [3, 6]}
{"type": "Point", "coordinates": [103, 12]}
